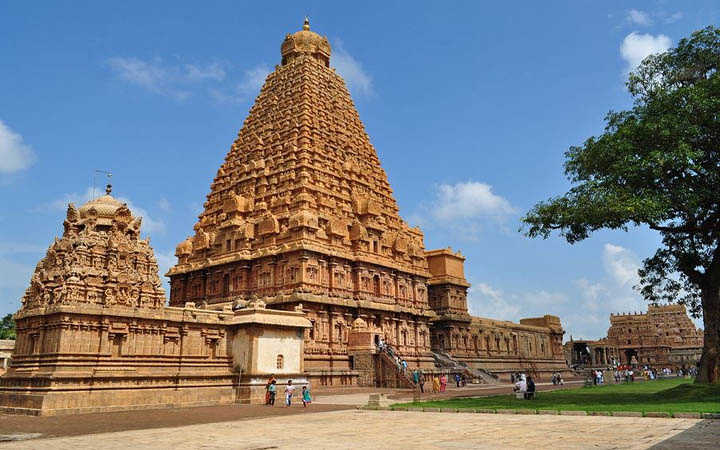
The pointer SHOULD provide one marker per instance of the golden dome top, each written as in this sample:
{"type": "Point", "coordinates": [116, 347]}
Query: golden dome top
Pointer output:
{"type": "Point", "coordinates": [105, 206]}
{"type": "Point", "coordinates": [305, 42]}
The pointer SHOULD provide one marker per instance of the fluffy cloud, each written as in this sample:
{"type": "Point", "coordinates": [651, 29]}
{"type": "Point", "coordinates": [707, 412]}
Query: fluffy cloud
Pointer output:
{"type": "Point", "coordinates": [465, 209]}
{"type": "Point", "coordinates": [487, 301]}
{"type": "Point", "coordinates": [149, 223]}
{"type": "Point", "coordinates": [471, 199]}
{"type": "Point", "coordinates": [359, 82]}
{"type": "Point", "coordinates": [15, 155]}
{"type": "Point", "coordinates": [636, 47]}
{"type": "Point", "coordinates": [639, 18]}
{"type": "Point", "coordinates": [176, 81]}
{"type": "Point", "coordinates": [621, 264]}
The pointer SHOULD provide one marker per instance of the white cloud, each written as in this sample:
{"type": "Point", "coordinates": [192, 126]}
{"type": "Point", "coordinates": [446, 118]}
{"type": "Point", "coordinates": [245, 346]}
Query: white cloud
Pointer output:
{"type": "Point", "coordinates": [248, 87]}
{"type": "Point", "coordinates": [464, 209]}
{"type": "Point", "coordinates": [636, 47]}
{"type": "Point", "coordinates": [487, 301]}
{"type": "Point", "coordinates": [212, 72]}
{"type": "Point", "coordinates": [467, 200]}
{"type": "Point", "coordinates": [359, 82]}
{"type": "Point", "coordinates": [621, 264]}
{"type": "Point", "coordinates": [15, 155]}
{"type": "Point", "coordinates": [149, 223]}
{"type": "Point", "coordinates": [637, 17]}
{"type": "Point", "coordinates": [176, 81]}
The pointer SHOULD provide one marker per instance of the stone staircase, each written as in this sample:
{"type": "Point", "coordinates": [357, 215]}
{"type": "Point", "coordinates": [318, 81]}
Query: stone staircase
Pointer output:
{"type": "Point", "coordinates": [396, 376]}
{"type": "Point", "coordinates": [446, 362]}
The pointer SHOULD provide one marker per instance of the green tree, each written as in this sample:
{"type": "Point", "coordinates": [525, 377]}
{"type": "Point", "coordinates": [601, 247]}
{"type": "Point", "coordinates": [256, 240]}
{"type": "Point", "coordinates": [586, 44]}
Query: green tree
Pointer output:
{"type": "Point", "coordinates": [7, 327]}
{"type": "Point", "coordinates": [657, 165]}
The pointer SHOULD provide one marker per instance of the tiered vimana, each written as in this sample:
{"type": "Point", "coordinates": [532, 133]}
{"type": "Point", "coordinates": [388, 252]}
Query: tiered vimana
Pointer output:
{"type": "Point", "coordinates": [94, 334]}
{"type": "Point", "coordinates": [301, 213]}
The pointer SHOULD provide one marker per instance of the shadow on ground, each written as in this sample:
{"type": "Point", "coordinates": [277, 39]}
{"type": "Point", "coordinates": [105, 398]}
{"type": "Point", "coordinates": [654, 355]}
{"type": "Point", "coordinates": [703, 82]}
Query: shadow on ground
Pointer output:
{"type": "Point", "coordinates": [704, 434]}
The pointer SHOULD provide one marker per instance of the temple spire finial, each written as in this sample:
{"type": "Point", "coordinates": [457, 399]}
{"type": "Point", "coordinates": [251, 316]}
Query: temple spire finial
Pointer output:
{"type": "Point", "coordinates": [108, 189]}
{"type": "Point", "coordinates": [306, 25]}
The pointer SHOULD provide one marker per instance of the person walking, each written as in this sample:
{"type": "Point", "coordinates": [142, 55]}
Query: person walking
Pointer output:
{"type": "Point", "coordinates": [267, 389]}
{"type": "Point", "coordinates": [421, 382]}
{"type": "Point", "coordinates": [289, 391]}
{"type": "Point", "coordinates": [457, 380]}
{"type": "Point", "coordinates": [272, 390]}
{"type": "Point", "coordinates": [443, 382]}
{"type": "Point", "coordinates": [436, 384]}
{"type": "Point", "coordinates": [306, 399]}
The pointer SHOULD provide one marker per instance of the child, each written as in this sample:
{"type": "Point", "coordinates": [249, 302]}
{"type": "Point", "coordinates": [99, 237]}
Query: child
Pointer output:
{"type": "Point", "coordinates": [272, 389]}
{"type": "Point", "coordinates": [289, 391]}
{"type": "Point", "coordinates": [306, 396]}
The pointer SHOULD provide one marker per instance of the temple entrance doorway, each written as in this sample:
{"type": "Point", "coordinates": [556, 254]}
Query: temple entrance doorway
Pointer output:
{"type": "Point", "coordinates": [631, 357]}
{"type": "Point", "coordinates": [581, 354]}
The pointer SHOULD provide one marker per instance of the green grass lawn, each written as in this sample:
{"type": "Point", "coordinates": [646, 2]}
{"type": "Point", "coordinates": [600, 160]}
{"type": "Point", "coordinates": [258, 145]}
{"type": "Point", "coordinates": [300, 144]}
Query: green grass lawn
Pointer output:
{"type": "Point", "coordinates": [670, 395]}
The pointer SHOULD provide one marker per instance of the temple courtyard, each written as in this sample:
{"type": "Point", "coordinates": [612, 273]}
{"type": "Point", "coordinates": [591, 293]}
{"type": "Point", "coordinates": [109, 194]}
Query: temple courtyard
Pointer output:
{"type": "Point", "coordinates": [334, 421]}
{"type": "Point", "coordinates": [394, 429]}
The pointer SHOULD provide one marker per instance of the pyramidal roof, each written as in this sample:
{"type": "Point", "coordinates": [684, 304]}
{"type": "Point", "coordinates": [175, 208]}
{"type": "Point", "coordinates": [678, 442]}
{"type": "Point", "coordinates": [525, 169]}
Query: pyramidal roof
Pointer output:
{"type": "Point", "coordinates": [302, 174]}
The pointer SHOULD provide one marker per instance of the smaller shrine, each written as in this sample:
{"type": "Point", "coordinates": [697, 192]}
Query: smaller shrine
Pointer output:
{"type": "Point", "coordinates": [94, 334]}
{"type": "Point", "coordinates": [662, 337]}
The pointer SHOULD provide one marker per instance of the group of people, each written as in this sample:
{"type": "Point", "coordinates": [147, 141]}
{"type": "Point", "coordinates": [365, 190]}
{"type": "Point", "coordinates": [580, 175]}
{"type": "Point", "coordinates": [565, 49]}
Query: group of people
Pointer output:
{"type": "Point", "coordinates": [271, 392]}
{"type": "Point", "coordinates": [598, 377]}
{"type": "Point", "coordinates": [523, 384]}
{"type": "Point", "coordinates": [401, 364]}
{"type": "Point", "coordinates": [439, 382]}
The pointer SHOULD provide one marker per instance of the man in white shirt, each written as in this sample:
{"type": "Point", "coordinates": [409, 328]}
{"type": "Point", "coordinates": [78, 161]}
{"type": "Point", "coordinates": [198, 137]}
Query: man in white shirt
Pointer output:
{"type": "Point", "coordinates": [289, 391]}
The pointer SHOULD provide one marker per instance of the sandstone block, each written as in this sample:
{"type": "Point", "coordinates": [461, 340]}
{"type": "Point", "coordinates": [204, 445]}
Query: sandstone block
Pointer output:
{"type": "Point", "coordinates": [573, 413]}
{"type": "Point", "coordinates": [657, 414]}
{"type": "Point", "coordinates": [506, 411]}
{"type": "Point", "coordinates": [687, 415]}
{"type": "Point", "coordinates": [549, 412]}
{"type": "Point", "coordinates": [627, 414]}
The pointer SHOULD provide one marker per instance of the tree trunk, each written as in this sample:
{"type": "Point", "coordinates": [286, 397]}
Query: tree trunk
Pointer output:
{"type": "Point", "coordinates": [710, 362]}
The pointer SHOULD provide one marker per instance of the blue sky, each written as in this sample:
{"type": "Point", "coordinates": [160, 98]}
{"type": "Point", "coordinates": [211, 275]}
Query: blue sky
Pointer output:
{"type": "Point", "coordinates": [470, 106]}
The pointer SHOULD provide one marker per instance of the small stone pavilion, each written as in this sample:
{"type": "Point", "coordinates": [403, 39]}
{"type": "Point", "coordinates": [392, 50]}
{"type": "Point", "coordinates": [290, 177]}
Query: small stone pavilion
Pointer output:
{"type": "Point", "coordinates": [94, 334]}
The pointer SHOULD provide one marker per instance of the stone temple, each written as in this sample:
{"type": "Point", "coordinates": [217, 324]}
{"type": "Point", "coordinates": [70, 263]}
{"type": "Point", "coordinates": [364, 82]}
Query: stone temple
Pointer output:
{"type": "Point", "coordinates": [664, 336]}
{"type": "Point", "coordinates": [301, 212]}
{"type": "Point", "coordinates": [298, 266]}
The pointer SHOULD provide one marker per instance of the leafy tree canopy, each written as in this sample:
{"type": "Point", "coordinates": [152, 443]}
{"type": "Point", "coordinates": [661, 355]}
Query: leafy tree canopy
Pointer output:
{"type": "Point", "coordinates": [7, 327]}
{"type": "Point", "coordinates": [657, 164]}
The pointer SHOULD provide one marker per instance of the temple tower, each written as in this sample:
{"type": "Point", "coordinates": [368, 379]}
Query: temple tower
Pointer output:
{"type": "Point", "coordinates": [302, 211]}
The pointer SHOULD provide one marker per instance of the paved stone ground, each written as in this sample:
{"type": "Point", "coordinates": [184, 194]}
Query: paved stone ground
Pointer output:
{"type": "Point", "coordinates": [325, 400]}
{"type": "Point", "coordinates": [386, 429]}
